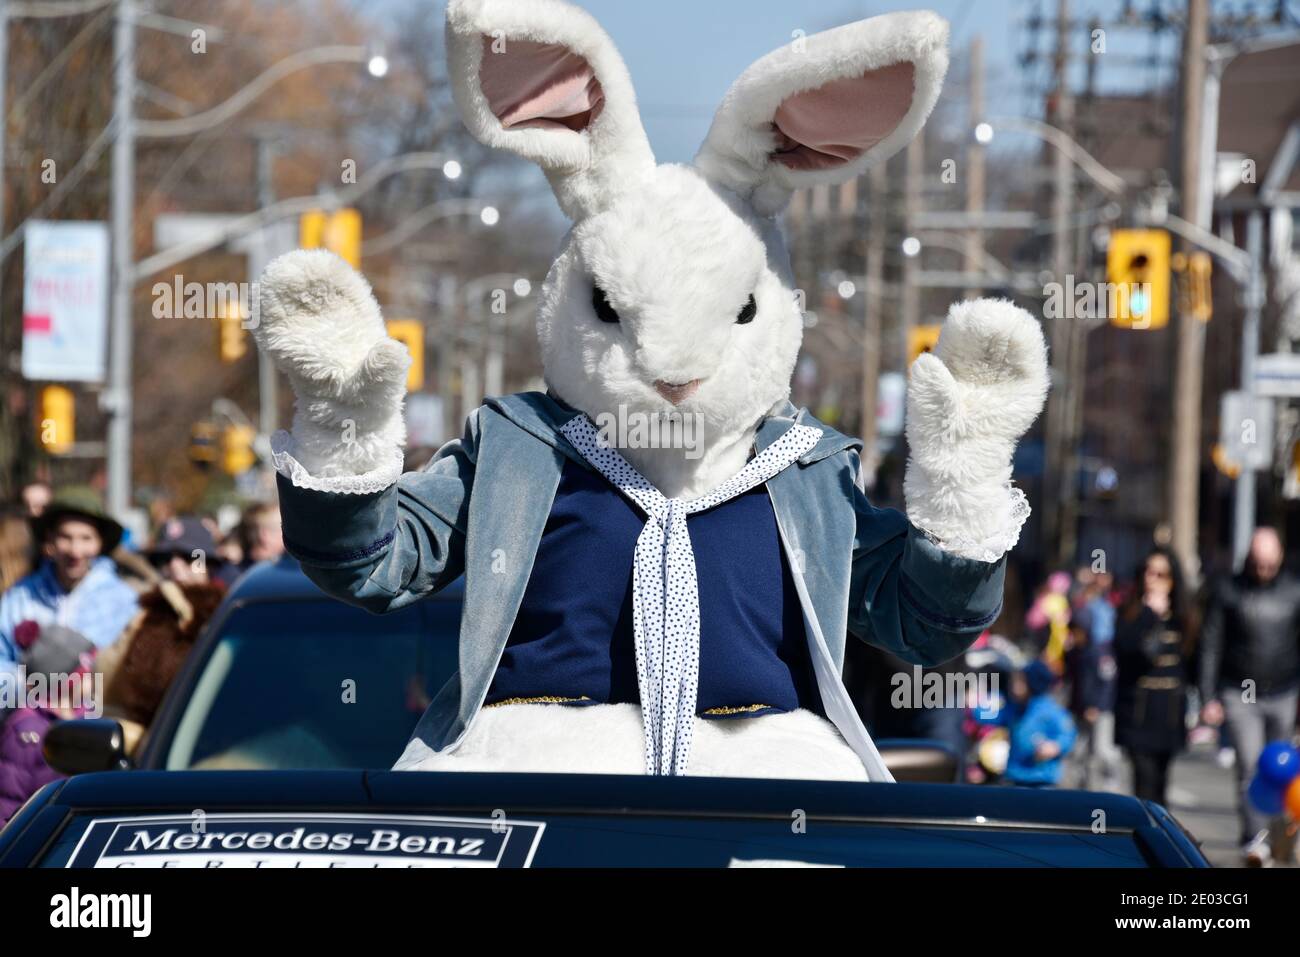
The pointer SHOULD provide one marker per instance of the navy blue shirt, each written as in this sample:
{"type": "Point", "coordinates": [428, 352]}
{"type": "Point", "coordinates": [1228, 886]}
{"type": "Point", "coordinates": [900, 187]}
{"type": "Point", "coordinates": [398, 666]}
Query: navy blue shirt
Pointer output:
{"type": "Point", "coordinates": [572, 638]}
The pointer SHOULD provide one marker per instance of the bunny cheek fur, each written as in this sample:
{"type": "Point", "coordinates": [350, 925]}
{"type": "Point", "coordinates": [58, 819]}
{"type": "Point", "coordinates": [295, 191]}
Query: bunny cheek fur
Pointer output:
{"type": "Point", "coordinates": [678, 259]}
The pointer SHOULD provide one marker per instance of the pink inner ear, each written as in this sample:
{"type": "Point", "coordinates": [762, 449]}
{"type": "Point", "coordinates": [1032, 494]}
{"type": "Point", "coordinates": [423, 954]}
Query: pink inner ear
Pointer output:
{"type": "Point", "coordinates": [836, 123]}
{"type": "Point", "coordinates": [543, 85]}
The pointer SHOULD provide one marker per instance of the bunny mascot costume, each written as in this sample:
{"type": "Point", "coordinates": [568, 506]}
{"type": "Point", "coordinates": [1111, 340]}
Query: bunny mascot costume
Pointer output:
{"type": "Point", "coordinates": [675, 606]}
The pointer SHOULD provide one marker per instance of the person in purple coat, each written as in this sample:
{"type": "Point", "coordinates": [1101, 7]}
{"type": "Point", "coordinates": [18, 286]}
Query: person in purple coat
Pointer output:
{"type": "Point", "coordinates": [23, 770]}
{"type": "Point", "coordinates": [50, 650]}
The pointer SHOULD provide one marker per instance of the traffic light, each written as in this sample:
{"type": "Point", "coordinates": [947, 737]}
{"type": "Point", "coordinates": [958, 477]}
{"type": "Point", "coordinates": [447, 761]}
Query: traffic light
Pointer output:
{"type": "Point", "coordinates": [922, 339]}
{"type": "Point", "coordinates": [1137, 266]}
{"type": "Point", "coordinates": [232, 337]}
{"type": "Point", "coordinates": [58, 419]}
{"type": "Point", "coordinates": [237, 455]}
{"type": "Point", "coordinates": [204, 439]}
{"type": "Point", "coordinates": [339, 232]}
{"type": "Point", "coordinates": [410, 332]}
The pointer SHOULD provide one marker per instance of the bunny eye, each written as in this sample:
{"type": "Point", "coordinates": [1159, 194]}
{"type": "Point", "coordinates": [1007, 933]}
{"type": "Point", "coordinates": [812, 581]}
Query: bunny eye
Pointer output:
{"type": "Point", "coordinates": [748, 313]}
{"type": "Point", "coordinates": [604, 311]}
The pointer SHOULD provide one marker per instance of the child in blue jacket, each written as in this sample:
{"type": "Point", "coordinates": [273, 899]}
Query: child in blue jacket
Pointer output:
{"type": "Point", "coordinates": [1041, 730]}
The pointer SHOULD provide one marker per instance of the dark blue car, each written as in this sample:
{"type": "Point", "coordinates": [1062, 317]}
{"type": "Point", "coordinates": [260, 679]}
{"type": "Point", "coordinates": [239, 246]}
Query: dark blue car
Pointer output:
{"type": "Point", "coordinates": [265, 752]}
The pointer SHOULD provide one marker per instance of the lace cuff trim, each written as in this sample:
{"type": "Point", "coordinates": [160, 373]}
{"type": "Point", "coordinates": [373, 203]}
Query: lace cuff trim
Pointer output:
{"type": "Point", "coordinates": [993, 547]}
{"type": "Point", "coordinates": [376, 480]}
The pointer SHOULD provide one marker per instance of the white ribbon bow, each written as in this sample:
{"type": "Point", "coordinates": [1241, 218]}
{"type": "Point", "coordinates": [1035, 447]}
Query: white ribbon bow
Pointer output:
{"type": "Point", "coordinates": [665, 592]}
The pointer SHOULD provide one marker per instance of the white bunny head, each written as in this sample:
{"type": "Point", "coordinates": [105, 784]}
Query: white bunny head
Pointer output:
{"type": "Point", "coordinates": [674, 293]}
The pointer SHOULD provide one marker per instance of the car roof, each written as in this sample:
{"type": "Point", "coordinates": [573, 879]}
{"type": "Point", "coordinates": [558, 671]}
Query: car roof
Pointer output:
{"type": "Point", "coordinates": [579, 793]}
{"type": "Point", "coordinates": [284, 580]}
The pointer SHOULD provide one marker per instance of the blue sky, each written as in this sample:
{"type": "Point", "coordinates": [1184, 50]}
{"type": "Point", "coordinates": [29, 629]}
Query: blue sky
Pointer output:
{"type": "Point", "coordinates": [684, 54]}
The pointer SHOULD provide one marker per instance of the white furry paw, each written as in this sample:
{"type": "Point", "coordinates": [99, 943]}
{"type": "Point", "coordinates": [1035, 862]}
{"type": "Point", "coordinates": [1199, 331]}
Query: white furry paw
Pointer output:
{"type": "Point", "coordinates": [995, 350]}
{"type": "Point", "coordinates": [320, 324]}
{"type": "Point", "coordinates": [967, 405]}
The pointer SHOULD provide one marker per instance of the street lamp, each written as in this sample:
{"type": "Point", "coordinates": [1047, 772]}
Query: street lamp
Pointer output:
{"type": "Point", "coordinates": [440, 209]}
{"type": "Point", "coordinates": [286, 209]}
{"type": "Point", "coordinates": [1099, 174]}
{"type": "Point", "coordinates": [208, 119]}
{"type": "Point", "coordinates": [118, 396]}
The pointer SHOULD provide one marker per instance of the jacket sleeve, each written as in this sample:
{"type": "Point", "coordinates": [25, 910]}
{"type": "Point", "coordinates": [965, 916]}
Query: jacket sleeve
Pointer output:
{"type": "Point", "coordinates": [1210, 650]}
{"type": "Point", "coordinates": [9, 662]}
{"type": "Point", "coordinates": [912, 598]}
{"type": "Point", "coordinates": [387, 549]}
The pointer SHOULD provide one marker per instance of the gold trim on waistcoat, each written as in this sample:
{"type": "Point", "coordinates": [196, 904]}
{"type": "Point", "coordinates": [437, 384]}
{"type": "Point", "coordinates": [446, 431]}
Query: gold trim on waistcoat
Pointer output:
{"type": "Point", "coordinates": [544, 699]}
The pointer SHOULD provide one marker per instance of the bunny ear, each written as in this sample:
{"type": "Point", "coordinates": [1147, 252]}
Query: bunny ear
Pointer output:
{"type": "Point", "coordinates": [541, 79]}
{"type": "Point", "coordinates": [827, 107]}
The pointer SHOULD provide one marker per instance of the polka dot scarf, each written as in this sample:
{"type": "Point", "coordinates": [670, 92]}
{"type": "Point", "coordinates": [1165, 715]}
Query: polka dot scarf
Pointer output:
{"type": "Point", "coordinates": [665, 596]}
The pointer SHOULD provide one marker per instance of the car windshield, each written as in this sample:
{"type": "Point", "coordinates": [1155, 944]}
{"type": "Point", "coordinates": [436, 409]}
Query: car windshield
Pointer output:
{"type": "Point", "coordinates": [314, 684]}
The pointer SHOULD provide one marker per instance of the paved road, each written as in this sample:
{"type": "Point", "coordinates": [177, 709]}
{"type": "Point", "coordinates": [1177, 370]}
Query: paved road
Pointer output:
{"type": "Point", "coordinates": [1203, 796]}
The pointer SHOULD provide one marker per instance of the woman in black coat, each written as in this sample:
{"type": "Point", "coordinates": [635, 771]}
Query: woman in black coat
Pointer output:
{"type": "Point", "coordinates": [1153, 641]}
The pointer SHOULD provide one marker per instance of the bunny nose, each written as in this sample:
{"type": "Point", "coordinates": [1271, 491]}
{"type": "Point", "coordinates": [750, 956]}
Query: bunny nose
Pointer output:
{"type": "Point", "coordinates": [677, 394]}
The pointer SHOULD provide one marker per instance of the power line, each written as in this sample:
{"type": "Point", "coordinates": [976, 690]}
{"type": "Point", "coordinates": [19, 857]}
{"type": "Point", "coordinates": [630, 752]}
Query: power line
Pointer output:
{"type": "Point", "coordinates": [61, 189]}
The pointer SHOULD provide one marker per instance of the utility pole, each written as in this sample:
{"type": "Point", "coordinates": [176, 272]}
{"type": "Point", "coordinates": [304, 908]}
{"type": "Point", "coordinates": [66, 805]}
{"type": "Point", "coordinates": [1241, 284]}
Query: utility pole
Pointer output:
{"type": "Point", "coordinates": [447, 331]}
{"type": "Point", "coordinates": [1056, 477]}
{"type": "Point", "coordinates": [471, 391]}
{"type": "Point", "coordinates": [121, 214]}
{"type": "Point", "coordinates": [873, 299]}
{"type": "Point", "coordinates": [910, 311]}
{"type": "Point", "coordinates": [975, 178]}
{"type": "Point", "coordinates": [1074, 383]}
{"type": "Point", "coordinates": [1185, 463]}
{"type": "Point", "coordinates": [1243, 497]}
{"type": "Point", "coordinates": [1074, 389]}
{"type": "Point", "coordinates": [267, 383]}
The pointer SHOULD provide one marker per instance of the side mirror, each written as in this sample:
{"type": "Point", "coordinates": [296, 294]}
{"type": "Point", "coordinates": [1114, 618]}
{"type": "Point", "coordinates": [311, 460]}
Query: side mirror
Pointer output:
{"type": "Point", "coordinates": [86, 745]}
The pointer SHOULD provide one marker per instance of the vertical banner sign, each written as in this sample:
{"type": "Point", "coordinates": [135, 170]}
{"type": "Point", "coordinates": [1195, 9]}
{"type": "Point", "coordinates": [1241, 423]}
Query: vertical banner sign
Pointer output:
{"type": "Point", "coordinates": [65, 301]}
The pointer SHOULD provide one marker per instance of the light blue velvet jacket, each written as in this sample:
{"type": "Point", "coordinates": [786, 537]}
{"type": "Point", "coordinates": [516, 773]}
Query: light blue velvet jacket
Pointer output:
{"type": "Point", "coordinates": [480, 506]}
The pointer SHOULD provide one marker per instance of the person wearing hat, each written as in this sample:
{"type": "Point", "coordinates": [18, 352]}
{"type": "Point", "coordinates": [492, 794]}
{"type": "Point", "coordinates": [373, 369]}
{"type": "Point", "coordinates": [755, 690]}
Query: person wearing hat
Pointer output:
{"type": "Point", "coordinates": [185, 551]}
{"type": "Point", "coordinates": [76, 585]}
{"type": "Point", "coordinates": [66, 659]}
